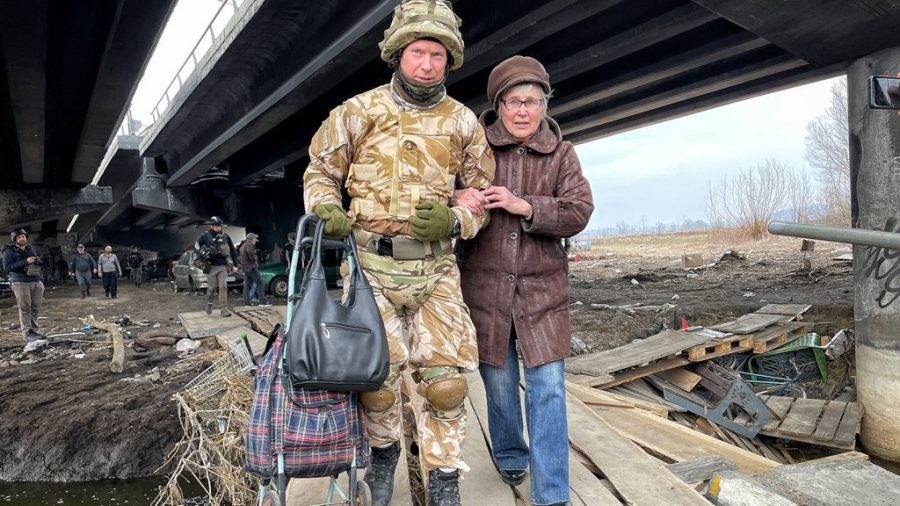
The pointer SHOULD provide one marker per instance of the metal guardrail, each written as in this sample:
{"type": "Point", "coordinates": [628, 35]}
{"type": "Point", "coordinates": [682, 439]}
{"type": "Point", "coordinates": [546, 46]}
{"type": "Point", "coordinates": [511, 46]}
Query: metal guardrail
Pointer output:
{"type": "Point", "coordinates": [208, 34]}
{"type": "Point", "coordinates": [864, 237]}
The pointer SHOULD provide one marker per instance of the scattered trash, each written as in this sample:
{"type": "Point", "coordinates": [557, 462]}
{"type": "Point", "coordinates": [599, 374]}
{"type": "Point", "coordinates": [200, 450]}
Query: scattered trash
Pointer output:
{"type": "Point", "coordinates": [634, 281]}
{"type": "Point", "coordinates": [35, 345]}
{"type": "Point", "coordinates": [839, 344]}
{"type": "Point", "coordinates": [88, 327]}
{"type": "Point", "coordinates": [675, 297]}
{"type": "Point", "coordinates": [692, 275]}
{"type": "Point", "coordinates": [577, 346]}
{"type": "Point", "coordinates": [122, 320]}
{"type": "Point", "coordinates": [157, 325]}
{"type": "Point", "coordinates": [577, 303]}
{"type": "Point", "coordinates": [748, 294]}
{"type": "Point", "coordinates": [187, 345]}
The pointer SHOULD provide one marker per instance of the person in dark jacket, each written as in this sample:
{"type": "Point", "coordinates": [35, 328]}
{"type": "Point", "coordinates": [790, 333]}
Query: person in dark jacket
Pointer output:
{"type": "Point", "coordinates": [24, 268]}
{"type": "Point", "coordinates": [216, 246]}
{"type": "Point", "coordinates": [250, 265]}
{"type": "Point", "coordinates": [135, 260]}
{"type": "Point", "coordinates": [515, 276]}
{"type": "Point", "coordinates": [81, 265]}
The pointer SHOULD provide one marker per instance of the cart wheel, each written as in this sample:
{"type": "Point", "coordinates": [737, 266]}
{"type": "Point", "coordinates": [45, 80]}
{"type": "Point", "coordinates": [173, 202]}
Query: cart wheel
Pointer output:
{"type": "Point", "coordinates": [363, 494]}
{"type": "Point", "coordinates": [271, 499]}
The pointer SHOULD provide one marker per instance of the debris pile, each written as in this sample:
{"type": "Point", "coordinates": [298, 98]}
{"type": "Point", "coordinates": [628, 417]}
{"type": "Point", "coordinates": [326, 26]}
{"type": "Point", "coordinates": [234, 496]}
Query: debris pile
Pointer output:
{"type": "Point", "coordinates": [741, 402]}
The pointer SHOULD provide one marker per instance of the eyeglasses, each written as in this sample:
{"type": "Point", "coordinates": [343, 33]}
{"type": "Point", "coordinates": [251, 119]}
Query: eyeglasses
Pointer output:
{"type": "Point", "coordinates": [532, 104]}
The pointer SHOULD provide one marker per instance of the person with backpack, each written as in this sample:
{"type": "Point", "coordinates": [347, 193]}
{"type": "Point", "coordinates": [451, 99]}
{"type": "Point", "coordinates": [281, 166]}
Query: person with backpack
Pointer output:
{"type": "Point", "coordinates": [135, 260]}
{"type": "Point", "coordinates": [217, 248]}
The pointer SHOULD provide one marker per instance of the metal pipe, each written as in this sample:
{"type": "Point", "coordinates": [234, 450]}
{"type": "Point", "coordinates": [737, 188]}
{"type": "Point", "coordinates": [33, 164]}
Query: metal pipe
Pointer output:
{"type": "Point", "coordinates": [864, 237]}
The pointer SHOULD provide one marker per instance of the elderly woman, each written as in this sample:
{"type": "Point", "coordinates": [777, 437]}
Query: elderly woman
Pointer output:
{"type": "Point", "coordinates": [514, 276]}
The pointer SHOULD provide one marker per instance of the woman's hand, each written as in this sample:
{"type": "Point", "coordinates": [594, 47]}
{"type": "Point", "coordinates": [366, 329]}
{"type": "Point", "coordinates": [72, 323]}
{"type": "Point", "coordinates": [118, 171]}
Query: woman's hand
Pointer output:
{"type": "Point", "coordinates": [499, 197]}
{"type": "Point", "coordinates": [469, 198]}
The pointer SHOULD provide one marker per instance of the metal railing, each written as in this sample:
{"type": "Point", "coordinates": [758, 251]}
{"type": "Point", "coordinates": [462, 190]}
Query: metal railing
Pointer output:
{"type": "Point", "coordinates": [190, 63]}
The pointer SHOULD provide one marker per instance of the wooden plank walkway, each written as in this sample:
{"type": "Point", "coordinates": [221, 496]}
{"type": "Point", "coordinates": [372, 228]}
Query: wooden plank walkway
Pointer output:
{"type": "Point", "coordinates": [262, 318]}
{"type": "Point", "coordinates": [794, 310]}
{"type": "Point", "coordinates": [231, 338]}
{"type": "Point", "coordinates": [199, 324]}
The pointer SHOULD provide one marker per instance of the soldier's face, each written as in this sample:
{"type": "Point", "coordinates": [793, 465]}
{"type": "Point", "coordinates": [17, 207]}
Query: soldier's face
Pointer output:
{"type": "Point", "coordinates": [424, 61]}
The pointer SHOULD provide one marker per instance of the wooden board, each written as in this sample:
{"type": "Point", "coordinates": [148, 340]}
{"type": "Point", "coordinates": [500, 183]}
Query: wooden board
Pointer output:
{"type": "Point", "coordinates": [677, 442]}
{"type": "Point", "coordinates": [581, 484]}
{"type": "Point", "coordinates": [849, 427]}
{"type": "Point", "coordinates": [718, 348]}
{"type": "Point", "coordinates": [262, 318]}
{"type": "Point", "coordinates": [313, 490]}
{"type": "Point", "coordinates": [701, 468]}
{"type": "Point", "coordinates": [748, 323]}
{"type": "Point", "coordinates": [784, 309]}
{"type": "Point", "coordinates": [801, 420]}
{"type": "Point", "coordinates": [199, 324]}
{"type": "Point", "coordinates": [638, 353]}
{"type": "Point", "coordinates": [638, 477]}
{"type": "Point", "coordinates": [831, 418]}
{"type": "Point", "coordinates": [482, 484]}
{"type": "Point", "coordinates": [228, 339]}
{"type": "Point", "coordinates": [597, 397]}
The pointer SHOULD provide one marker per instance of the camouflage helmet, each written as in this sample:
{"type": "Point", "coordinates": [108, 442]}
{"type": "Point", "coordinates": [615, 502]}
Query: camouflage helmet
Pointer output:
{"type": "Point", "coordinates": [419, 19]}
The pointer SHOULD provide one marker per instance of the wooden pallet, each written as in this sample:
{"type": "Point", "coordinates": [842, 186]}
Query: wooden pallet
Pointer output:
{"type": "Point", "coordinates": [816, 421]}
{"type": "Point", "coordinates": [750, 323]}
{"type": "Point", "coordinates": [720, 347]}
{"type": "Point", "coordinates": [778, 335]}
{"type": "Point", "coordinates": [604, 363]}
{"type": "Point", "coordinates": [199, 324]}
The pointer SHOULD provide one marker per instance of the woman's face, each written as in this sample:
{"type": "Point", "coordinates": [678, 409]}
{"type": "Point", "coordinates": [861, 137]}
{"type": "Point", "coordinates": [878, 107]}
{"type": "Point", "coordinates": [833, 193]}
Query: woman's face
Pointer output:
{"type": "Point", "coordinates": [521, 111]}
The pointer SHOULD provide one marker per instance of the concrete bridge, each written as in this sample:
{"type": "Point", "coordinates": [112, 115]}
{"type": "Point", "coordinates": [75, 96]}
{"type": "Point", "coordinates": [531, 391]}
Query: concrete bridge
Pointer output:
{"type": "Point", "coordinates": [233, 141]}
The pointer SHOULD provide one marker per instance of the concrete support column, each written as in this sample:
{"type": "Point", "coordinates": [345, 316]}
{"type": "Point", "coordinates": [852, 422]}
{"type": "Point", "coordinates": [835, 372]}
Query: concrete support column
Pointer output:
{"type": "Point", "coordinates": [875, 189]}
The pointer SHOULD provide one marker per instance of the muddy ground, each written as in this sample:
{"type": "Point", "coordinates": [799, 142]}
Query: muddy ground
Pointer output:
{"type": "Point", "coordinates": [65, 417]}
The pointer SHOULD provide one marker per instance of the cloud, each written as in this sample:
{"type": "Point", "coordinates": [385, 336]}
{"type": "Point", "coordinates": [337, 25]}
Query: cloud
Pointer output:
{"type": "Point", "coordinates": [663, 171]}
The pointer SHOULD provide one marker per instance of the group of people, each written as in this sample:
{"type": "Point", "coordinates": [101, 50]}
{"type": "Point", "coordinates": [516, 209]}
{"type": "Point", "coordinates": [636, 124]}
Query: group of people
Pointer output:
{"type": "Point", "coordinates": [83, 266]}
{"type": "Point", "coordinates": [460, 222]}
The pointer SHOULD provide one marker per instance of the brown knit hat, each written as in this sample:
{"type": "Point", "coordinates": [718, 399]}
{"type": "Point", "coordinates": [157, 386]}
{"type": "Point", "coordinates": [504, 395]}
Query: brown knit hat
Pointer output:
{"type": "Point", "coordinates": [515, 70]}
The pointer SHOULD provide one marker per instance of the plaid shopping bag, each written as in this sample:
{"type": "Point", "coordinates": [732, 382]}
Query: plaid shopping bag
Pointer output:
{"type": "Point", "coordinates": [316, 430]}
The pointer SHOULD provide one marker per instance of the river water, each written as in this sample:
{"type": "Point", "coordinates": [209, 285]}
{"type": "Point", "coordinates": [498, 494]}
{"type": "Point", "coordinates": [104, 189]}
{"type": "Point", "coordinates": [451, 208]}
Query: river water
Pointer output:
{"type": "Point", "coordinates": [137, 492]}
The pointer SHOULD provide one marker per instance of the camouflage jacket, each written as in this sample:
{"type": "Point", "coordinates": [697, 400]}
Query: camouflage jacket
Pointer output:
{"type": "Point", "coordinates": [391, 157]}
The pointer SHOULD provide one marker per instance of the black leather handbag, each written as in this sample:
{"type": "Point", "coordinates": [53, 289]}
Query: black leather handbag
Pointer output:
{"type": "Point", "coordinates": [340, 347]}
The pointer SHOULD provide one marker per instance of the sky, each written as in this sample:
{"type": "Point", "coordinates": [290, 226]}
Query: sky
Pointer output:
{"type": "Point", "coordinates": [659, 173]}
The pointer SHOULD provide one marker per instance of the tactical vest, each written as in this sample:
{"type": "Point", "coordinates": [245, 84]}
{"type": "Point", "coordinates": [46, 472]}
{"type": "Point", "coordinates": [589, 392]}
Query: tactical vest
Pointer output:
{"type": "Point", "coordinates": [408, 156]}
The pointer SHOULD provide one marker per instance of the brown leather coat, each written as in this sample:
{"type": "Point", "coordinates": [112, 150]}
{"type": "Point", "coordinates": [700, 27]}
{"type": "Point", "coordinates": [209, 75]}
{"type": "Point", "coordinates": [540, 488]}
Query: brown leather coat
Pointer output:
{"type": "Point", "coordinates": [515, 272]}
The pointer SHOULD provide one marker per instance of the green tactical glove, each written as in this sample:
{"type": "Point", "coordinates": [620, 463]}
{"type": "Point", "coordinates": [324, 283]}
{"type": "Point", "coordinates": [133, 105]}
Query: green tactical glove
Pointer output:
{"type": "Point", "coordinates": [337, 223]}
{"type": "Point", "coordinates": [433, 221]}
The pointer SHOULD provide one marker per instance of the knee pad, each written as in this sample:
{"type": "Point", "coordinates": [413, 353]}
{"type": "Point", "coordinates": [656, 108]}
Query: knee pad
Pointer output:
{"type": "Point", "coordinates": [378, 401]}
{"type": "Point", "coordinates": [445, 392]}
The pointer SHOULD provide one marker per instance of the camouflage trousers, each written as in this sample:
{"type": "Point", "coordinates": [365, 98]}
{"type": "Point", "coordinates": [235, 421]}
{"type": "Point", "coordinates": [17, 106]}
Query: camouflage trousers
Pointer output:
{"type": "Point", "coordinates": [427, 325]}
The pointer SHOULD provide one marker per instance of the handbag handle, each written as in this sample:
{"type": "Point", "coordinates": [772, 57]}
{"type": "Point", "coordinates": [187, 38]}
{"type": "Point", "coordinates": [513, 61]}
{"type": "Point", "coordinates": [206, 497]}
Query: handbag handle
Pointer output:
{"type": "Point", "coordinates": [314, 267]}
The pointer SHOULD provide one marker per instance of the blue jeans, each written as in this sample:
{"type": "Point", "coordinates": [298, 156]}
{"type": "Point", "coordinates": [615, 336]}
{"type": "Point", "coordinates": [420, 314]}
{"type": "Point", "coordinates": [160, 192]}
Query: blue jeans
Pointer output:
{"type": "Point", "coordinates": [545, 412]}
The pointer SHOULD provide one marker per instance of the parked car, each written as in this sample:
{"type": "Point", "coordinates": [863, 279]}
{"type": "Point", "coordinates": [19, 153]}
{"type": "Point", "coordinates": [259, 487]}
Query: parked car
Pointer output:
{"type": "Point", "coordinates": [275, 276]}
{"type": "Point", "coordinates": [188, 277]}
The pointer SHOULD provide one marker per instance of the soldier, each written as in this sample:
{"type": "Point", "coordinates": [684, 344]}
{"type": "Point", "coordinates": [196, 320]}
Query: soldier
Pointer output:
{"type": "Point", "coordinates": [134, 261]}
{"type": "Point", "coordinates": [219, 250]}
{"type": "Point", "coordinates": [400, 150]}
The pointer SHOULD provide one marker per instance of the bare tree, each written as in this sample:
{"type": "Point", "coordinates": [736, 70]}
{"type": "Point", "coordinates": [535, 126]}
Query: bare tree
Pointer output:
{"type": "Point", "coordinates": [827, 151]}
{"type": "Point", "coordinates": [750, 200]}
{"type": "Point", "coordinates": [800, 197]}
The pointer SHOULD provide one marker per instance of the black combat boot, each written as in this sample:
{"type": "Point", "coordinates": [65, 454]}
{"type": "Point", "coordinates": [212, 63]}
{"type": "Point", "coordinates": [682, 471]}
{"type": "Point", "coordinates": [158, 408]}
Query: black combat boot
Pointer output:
{"type": "Point", "coordinates": [443, 488]}
{"type": "Point", "coordinates": [380, 475]}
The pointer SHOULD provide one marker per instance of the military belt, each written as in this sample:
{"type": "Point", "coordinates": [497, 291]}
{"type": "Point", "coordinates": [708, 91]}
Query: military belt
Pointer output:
{"type": "Point", "coordinates": [402, 248]}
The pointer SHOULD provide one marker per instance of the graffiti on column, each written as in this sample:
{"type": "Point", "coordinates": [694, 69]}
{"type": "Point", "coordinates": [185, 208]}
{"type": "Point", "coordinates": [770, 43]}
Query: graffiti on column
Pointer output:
{"type": "Point", "coordinates": [883, 264]}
